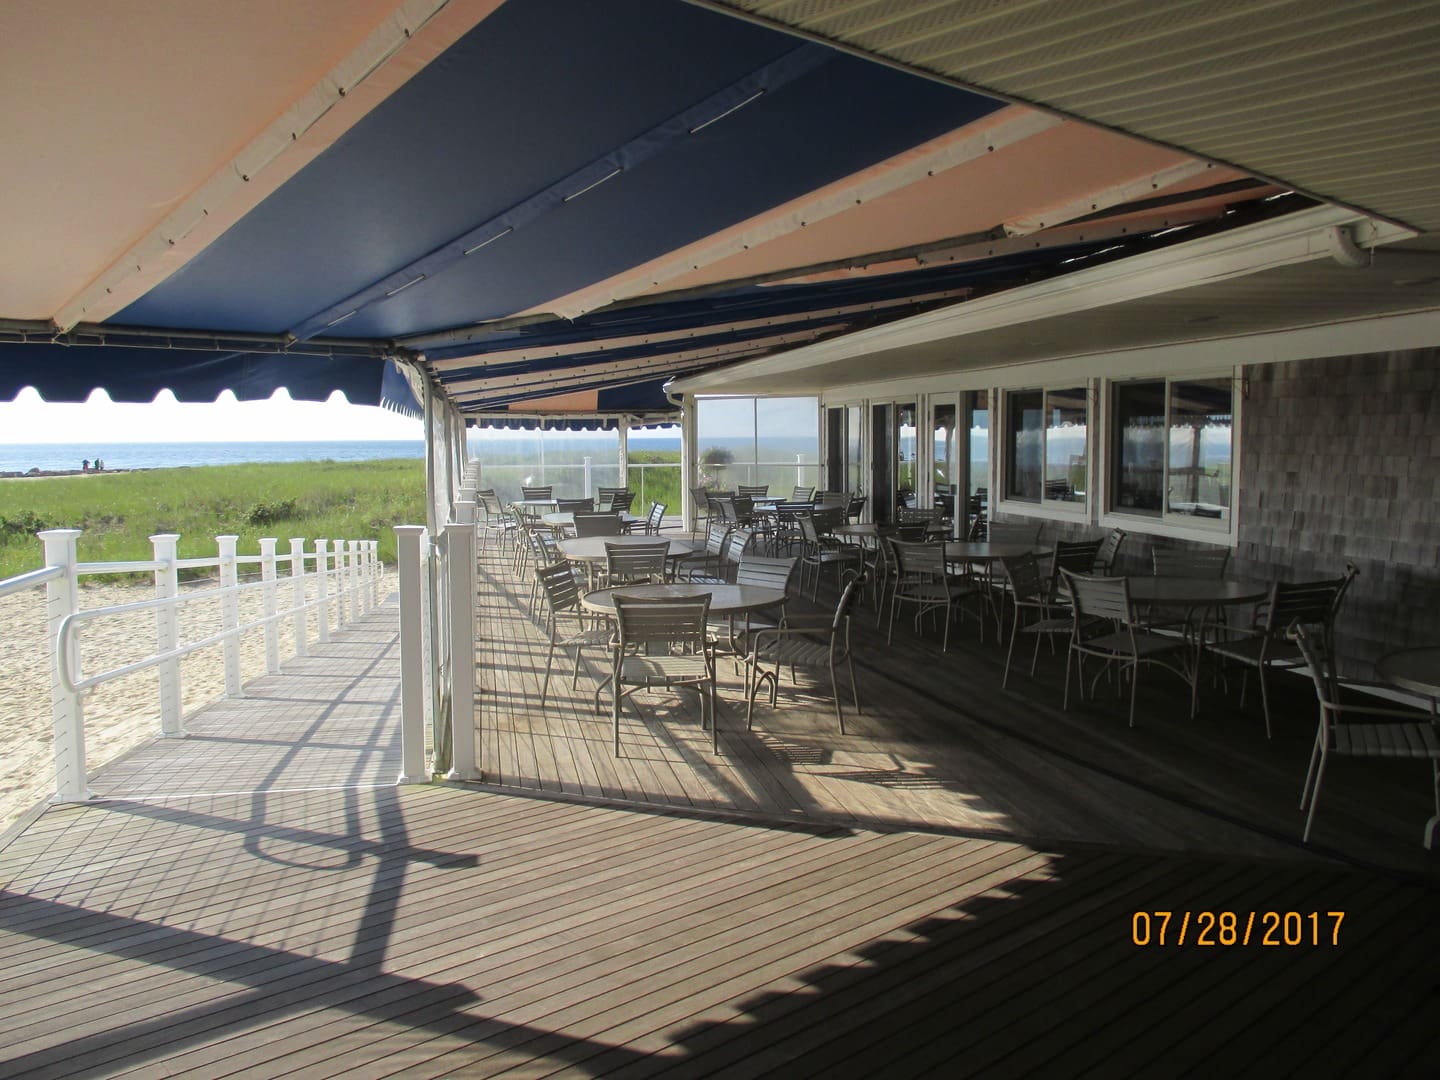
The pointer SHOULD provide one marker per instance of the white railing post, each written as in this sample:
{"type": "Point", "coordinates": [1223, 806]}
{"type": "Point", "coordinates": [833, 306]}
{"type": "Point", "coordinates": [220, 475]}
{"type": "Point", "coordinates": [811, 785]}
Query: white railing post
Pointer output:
{"type": "Point", "coordinates": [352, 579]}
{"type": "Point", "coordinates": [322, 587]}
{"type": "Point", "coordinates": [342, 610]}
{"type": "Point", "coordinates": [297, 594]}
{"type": "Point", "coordinates": [230, 613]}
{"type": "Point", "coordinates": [587, 493]}
{"type": "Point", "coordinates": [412, 654]}
{"type": "Point", "coordinates": [69, 716]}
{"type": "Point", "coordinates": [460, 555]}
{"type": "Point", "coordinates": [375, 597]}
{"type": "Point", "coordinates": [800, 471]}
{"type": "Point", "coordinates": [167, 634]}
{"type": "Point", "coordinates": [270, 597]}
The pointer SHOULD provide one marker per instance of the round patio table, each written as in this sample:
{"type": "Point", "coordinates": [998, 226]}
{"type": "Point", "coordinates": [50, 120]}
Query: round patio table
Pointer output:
{"type": "Point", "coordinates": [532, 504]}
{"type": "Point", "coordinates": [1196, 592]}
{"type": "Point", "coordinates": [1416, 670]}
{"type": "Point", "coordinates": [724, 599]}
{"type": "Point", "coordinates": [591, 549]}
{"type": "Point", "coordinates": [566, 520]}
{"type": "Point", "coordinates": [986, 552]}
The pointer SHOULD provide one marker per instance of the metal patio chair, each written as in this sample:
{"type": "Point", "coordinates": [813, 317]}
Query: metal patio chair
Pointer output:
{"type": "Point", "coordinates": [1032, 591]}
{"type": "Point", "coordinates": [664, 641]}
{"type": "Point", "coordinates": [597, 523]}
{"type": "Point", "coordinates": [655, 520]}
{"type": "Point", "coordinates": [921, 581]}
{"type": "Point", "coordinates": [1348, 729]}
{"type": "Point", "coordinates": [801, 494]}
{"type": "Point", "coordinates": [635, 564]}
{"type": "Point", "coordinates": [566, 625]}
{"type": "Point", "coordinates": [818, 551]}
{"type": "Point", "coordinates": [710, 561]}
{"type": "Point", "coordinates": [537, 491]}
{"type": "Point", "coordinates": [1109, 552]}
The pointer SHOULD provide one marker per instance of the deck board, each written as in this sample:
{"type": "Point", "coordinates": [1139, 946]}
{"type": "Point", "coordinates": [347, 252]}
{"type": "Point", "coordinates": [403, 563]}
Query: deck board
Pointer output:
{"type": "Point", "coordinates": [801, 904]}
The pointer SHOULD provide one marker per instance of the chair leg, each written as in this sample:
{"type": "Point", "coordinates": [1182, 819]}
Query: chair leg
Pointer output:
{"type": "Point", "coordinates": [835, 689]}
{"type": "Point", "coordinates": [855, 693]}
{"type": "Point", "coordinates": [1265, 700]}
{"type": "Point", "coordinates": [1010, 652]}
{"type": "Point", "coordinates": [1434, 822]}
{"type": "Point", "coordinates": [549, 662]}
{"type": "Point", "coordinates": [1134, 689]}
{"type": "Point", "coordinates": [1069, 653]}
{"type": "Point", "coordinates": [1314, 797]}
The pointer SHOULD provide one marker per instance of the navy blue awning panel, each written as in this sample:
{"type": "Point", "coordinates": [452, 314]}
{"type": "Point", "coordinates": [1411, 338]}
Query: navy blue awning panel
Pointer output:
{"type": "Point", "coordinates": [538, 101]}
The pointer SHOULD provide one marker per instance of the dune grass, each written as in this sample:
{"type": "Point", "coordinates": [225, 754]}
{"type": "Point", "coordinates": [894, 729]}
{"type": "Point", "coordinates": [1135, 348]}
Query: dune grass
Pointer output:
{"type": "Point", "coordinates": [119, 511]}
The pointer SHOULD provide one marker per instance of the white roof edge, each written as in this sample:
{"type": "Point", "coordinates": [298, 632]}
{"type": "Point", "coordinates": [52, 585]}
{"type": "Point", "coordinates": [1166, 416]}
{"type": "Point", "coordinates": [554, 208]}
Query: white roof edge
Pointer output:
{"type": "Point", "coordinates": [1295, 238]}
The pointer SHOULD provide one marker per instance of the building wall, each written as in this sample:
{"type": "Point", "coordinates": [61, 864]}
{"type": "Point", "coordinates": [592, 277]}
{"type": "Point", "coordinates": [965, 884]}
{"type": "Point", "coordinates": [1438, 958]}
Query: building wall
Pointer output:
{"type": "Point", "coordinates": [1340, 462]}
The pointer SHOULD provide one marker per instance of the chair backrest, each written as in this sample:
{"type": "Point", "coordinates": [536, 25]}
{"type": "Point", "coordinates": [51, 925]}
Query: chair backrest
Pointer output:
{"type": "Point", "coordinates": [763, 572]}
{"type": "Point", "coordinates": [1077, 556]}
{"type": "Point", "coordinates": [827, 518]}
{"type": "Point", "coordinates": [597, 523]}
{"type": "Point", "coordinates": [655, 518]}
{"type": "Point", "coordinates": [1190, 562]}
{"type": "Point", "coordinates": [562, 591]}
{"type": "Point", "coordinates": [920, 560]}
{"type": "Point", "coordinates": [856, 507]}
{"type": "Point", "coordinates": [678, 620]}
{"type": "Point", "coordinates": [542, 546]}
{"type": "Point", "coordinates": [717, 537]}
{"type": "Point", "coordinates": [1099, 598]}
{"type": "Point", "coordinates": [753, 491]}
{"type": "Point", "coordinates": [1014, 532]}
{"type": "Point", "coordinates": [1308, 603]}
{"type": "Point", "coordinates": [1109, 551]}
{"type": "Point", "coordinates": [833, 500]}
{"type": "Point", "coordinates": [570, 506]}
{"type": "Point", "coordinates": [538, 492]}
{"type": "Point", "coordinates": [809, 534]}
{"type": "Point", "coordinates": [491, 505]}
{"type": "Point", "coordinates": [1027, 584]}
{"type": "Point", "coordinates": [604, 496]}
{"type": "Point", "coordinates": [741, 540]}
{"type": "Point", "coordinates": [916, 515]}
{"type": "Point", "coordinates": [620, 502]}
{"type": "Point", "coordinates": [1320, 663]}
{"type": "Point", "coordinates": [800, 494]}
{"type": "Point", "coordinates": [854, 582]}
{"type": "Point", "coordinates": [914, 533]}
{"type": "Point", "coordinates": [631, 563]}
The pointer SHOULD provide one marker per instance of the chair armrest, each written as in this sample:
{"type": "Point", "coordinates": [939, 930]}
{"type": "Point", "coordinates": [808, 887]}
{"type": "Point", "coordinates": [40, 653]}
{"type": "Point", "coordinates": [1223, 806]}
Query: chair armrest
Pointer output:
{"type": "Point", "coordinates": [759, 637]}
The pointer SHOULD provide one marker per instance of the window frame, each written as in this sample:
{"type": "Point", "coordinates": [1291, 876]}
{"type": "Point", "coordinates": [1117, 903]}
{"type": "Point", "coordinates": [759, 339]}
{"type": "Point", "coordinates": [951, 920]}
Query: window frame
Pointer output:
{"type": "Point", "coordinates": [1002, 453]}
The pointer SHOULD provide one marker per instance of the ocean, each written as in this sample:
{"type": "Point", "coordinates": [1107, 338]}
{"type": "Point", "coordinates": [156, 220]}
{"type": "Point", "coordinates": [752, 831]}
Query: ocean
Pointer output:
{"type": "Point", "coordinates": [20, 457]}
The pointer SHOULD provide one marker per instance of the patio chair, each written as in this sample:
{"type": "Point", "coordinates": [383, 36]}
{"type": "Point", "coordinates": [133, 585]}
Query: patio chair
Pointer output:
{"type": "Point", "coordinates": [605, 497]}
{"type": "Point", "coordinates": [542, 551]}
{"type": "Point", "coordinates": [762, 572]}
{"type": "Point", "coordinates": [711, 559]}
{"type": "Point", "coordinates": [655, 520]}
{"type": "Point", "coordinates": [1269, 641]}
{"type": "Point", "coordinates": [620, 502]}
{"type": "Point", "coordinates": [496, 522]}
{"type": "Point", "coordinates": [566, 625]}
{"type": "Point", "coordinates": [811, 642]}
{"type": "Point", "coordinates": [571, 506]}
{"type": "Point", "coordinates": [663, 641]}
{"type": "Point", "coordinates": [855, 508]}
{"type": "Point", "coordinates": [1109, 552]}
{"type": "Point", "coordinates": [1190, 562]}
{"type": "Point", "coordinates": [597, 523]}
{"type": "Point", "coordinates": [700, 500]}
{"type": "Point", "coordinates": [1352, 730]}
{"type": "Point", "coordinates": [1014, 532]}
{"type": "Point", "coordinates": [1077, 556]}
{"type": "Point", "coordinates": [539, 491]}
{"type": "Point", "coordinates": [737, 511]}
{"type": "Point", "coordinates": [799, 494]}
{"type": "Point", "coordinates": [1104, 625]}
{"type": "Point", "coordinates": [1031, 591]}
{"type": "Point", "coordinates": [922, 581]}
{"type": "Point", "coordinates": [818, 551]}
{"type": "Point", "coordinates": [635, 564]}
{"type": "Point", "coordinates": [752, 491]}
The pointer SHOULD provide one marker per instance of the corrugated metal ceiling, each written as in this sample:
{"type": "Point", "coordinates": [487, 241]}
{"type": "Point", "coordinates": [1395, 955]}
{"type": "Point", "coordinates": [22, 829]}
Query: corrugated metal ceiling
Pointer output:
{"type": "Point", "coordinates": [1337, 98]}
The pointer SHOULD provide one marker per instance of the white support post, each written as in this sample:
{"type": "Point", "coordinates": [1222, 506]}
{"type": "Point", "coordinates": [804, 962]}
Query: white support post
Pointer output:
{"type": "Point", "coordinates": [297, 594]}
{"type": "Point", "coordinates": [230, 613]}
{"type": "Point", "coordinates": [624, 440]}
{"type": "Point", "coordinates": [69, 716]}
{"type": "Point", "coordinates": [375, 568]}
{"type": "Point", "coordinates": [342, 602]}
{"type": "Point", "coordinates": [412, 654]}
{"type": "Point", "coordinates": [589, 491]}
{"type": "Point", "coordinates": [167, 634]}
{"type": "Point", "coordinates": [322, 591]}
{"type": "Point", "coordinates": [800, 471]}
{"type": "Point", "coordinates": [270, 596]}
{"type": "Point", "coordinates": [352, 580]}
{"type": "Point", "coordinates": [460, 555]}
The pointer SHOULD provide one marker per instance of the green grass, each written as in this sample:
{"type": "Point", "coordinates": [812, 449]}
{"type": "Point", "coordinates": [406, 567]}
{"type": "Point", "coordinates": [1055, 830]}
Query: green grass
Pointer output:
{"type": "Point", "coordinates": [118, 511]}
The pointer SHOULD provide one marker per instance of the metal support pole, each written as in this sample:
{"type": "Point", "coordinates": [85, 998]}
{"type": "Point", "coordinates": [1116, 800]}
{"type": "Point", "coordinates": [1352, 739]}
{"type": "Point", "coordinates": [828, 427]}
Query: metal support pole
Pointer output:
{"type": "Point", "coordinates": [69, 716]}
{"type": "Point", "coordinates": [297, 594]}
{"type": "Point", "coordinates": [230, 613]}
{"type": "Point", "coordinates": [272, 605]}
{"type": "Point", "coordinates": [322, 591]}
{"type": "Point", "coordinates": [412, 654]}
{"type": "Point", "coordinates": [167, 634]}
{"type": "Point", "coordinates": [460, 555]}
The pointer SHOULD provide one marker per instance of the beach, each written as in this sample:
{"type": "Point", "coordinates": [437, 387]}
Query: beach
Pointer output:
{"type": "Point", "coordinates": [119, 715]}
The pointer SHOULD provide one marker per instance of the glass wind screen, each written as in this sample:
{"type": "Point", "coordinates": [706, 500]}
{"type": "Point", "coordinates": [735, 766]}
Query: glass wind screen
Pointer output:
{"type": "Point", "coordinates": [724, 442]}
{"type": "Point", "coordinates": [945, 451]}
{"type": "Point", "coordinates": [979, 406]}
{"type": "Point", "coordinates": [1138, 451]}
{"type": "Point", "coordinates": [1066, 442]}
{"type": "Point", "coordinates": [854, 435]}
{"type": "Point", "coordinates": [1024, 452]}
{"type": "Point", "coordinates": [1201, 421]}
{"type": "Point", "coordinates": [906, 454]}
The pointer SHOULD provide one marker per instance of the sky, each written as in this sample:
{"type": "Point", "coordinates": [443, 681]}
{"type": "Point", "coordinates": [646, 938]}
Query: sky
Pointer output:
{"type": "Point", "coordinates": [29, 419]}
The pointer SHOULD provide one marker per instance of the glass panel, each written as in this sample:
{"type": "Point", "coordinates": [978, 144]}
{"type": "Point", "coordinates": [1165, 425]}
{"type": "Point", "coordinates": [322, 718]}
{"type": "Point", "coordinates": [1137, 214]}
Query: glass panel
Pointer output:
{"type": "Point", "coordinates": [788, 443]}
{"type": "Point", "coordinates": [946, 468]}
{"type": "Point", "coordinates": [882, 491]}
{"type": "Point", "coordinates": [1198, 482]}
{"type": "Point", "coordinates": [654, 459]}
{"type": "Point", "coordinates": [724, 442]}
{"type": "Point", "coordinates": [854, 434]}
{"type": "Point", "coordinates": [1138, 451]}
{"type": "Point", "coordinates": [978, 404]}
{"type": "Point", "coordinates": [1066, 430]}
{"type": "Point", "coordinates": [1025, 462]}
{"type": "Point", "coordinates": [835, 449]}
{"type": "Point", "coordinates": [906, 453]}
{"type": "Point", "coordinates": [566, 460]}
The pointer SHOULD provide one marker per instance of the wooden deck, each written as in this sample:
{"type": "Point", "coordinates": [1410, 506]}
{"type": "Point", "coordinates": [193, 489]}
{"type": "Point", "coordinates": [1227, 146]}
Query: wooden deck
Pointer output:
{"type": "Point", "coordinates": [258, 900]}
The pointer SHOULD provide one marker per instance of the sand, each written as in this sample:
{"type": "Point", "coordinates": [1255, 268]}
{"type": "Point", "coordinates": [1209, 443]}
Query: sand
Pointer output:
{"type": "Point", "coordinates": [119, 715]}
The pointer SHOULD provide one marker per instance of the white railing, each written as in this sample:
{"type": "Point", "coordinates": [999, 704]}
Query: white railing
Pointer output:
{"type": "Point", "coordinates": [346, 576]}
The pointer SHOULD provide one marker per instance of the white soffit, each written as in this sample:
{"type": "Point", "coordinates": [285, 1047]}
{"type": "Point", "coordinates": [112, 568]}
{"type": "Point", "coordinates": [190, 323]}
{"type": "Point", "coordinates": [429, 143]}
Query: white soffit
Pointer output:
{"type": "Point", "coordinates": [1275, 275]}
{"type": "Point", "coordinates": [1337, 98]}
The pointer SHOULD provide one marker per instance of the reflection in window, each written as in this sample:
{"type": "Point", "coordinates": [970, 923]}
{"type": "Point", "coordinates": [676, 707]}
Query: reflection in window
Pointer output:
{"type": "Point", "coordinates": [1065, 442]}
{"type": "Point", "coordinates": [906, 454]}
{"type": "Point", "coordinates": [1198, 480]}
{"type": "Point", "coordinates": [1138, 447]}
{"type": "Point", "coordinates": [978, 403]}
{"type": "Point", "coordinates": [1026, 444]}
{"type": "Point", "coordinates": [854, 434]}
{"type": "Point", "coordinates": [946, 468]}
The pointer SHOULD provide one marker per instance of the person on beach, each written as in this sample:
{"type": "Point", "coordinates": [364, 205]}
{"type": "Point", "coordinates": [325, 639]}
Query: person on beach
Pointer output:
{"type": "Point", "coordinates": [85, 465]}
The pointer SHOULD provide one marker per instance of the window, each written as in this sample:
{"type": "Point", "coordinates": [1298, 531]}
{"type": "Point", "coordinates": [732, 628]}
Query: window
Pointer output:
{"type": "Point", "coordinates": [774, 441]}
{"type": "Point", "coordinates": [1171, 449]}
{"type": "Point", "coordinates": [1047, 447]}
